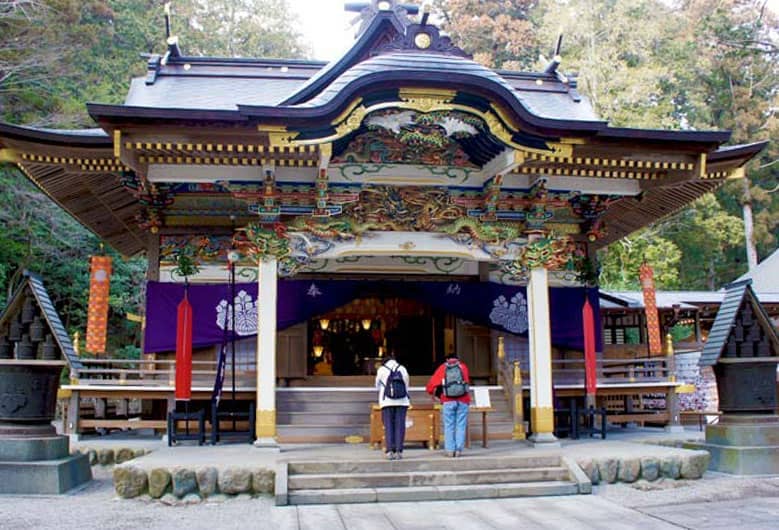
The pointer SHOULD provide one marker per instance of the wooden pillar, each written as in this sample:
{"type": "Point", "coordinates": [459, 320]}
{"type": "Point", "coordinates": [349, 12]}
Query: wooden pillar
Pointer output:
{"type": "Point", "coordinates": [540, 335]}
{"type": "Point", "coordinates": [671, 398]}
{"type": "Point", "coordinates": [265, 427]}
{"type": "Point", "coordinates": [74, 413]}
{"type": "Point", "coordinates": [153, 257]}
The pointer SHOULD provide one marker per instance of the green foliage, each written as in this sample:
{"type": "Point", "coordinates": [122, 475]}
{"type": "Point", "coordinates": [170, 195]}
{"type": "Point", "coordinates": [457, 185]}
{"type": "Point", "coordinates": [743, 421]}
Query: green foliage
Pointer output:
{"type": "Point", "coordinates": [56, 55]}
{"type": "Point", "coordinates": [41, 237]}
{"type": "Point", "coordinates": [237, 28]}
{"type": "Point", "coordinates": [499, 34]}
{"type": "Point", "coordinates": [621, 261]}
{"type": "Point", "coordinates": [186, 260]}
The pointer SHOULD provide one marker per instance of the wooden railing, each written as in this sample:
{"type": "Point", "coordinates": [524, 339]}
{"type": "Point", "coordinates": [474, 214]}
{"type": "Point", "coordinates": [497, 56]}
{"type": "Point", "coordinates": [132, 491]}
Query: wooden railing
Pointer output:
{"type": "Point", "coordinates": [158, 372]}
{"type": "Point", "coordinates": [510, 377]}
{"type": "Point", "coordinates": [511, 373]}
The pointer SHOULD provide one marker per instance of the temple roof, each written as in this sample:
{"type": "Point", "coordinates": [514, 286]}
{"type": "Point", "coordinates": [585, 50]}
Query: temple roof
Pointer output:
{"type": "Point", "coordinates": [200, 120]}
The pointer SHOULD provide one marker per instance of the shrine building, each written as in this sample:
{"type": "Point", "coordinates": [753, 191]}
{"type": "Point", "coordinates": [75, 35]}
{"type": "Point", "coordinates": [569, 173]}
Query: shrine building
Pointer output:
{"type": "Point", "coordinates": [401, 198]}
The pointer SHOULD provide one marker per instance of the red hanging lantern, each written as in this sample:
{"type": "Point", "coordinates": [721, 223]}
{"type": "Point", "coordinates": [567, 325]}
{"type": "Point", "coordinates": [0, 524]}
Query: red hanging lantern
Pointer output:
{"type": "Point", "coordinates": [184, 350]}
{"type": "Point", "coordinates": [590, 375]}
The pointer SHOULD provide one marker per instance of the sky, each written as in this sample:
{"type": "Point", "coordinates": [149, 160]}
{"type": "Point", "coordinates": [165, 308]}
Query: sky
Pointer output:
{"type": "Point", "coordinates": [325, 26]}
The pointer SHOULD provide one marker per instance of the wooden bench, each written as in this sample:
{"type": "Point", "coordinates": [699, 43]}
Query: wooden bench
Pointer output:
{"type": "Point", "coordinates": [700, 415]}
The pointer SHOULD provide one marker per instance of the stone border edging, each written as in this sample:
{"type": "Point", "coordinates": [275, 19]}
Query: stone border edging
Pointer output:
{"type": "Point", "coordinates": [650, 468]}
{"type": "Point", "coordinates": [107, 456]}
{"type": "Point", "coordinates": [188, 485]}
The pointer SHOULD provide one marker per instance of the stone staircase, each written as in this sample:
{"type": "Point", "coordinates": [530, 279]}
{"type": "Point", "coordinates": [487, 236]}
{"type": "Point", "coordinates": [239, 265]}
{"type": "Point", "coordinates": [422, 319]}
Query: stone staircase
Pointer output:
{"type": "Point", "coordinates": [428, 479]}
{"type": "Point", "coordinates": [330, 414]}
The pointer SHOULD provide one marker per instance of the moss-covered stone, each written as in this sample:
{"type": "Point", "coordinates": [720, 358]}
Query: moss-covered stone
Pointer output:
{"type": "Point", "coordinates": [607, 469]}
{"type": "Point", "coordinates": [629, 470]}
{"type": "Point", "coordinates": [234, 480]}
{"type": "Point", "coordinates": [129, 481]}
{"type": "Point", "coordinates": [159, 480]}
{"type": "Point", "coordinates": [650, 468]}
{"type": "Point", "coordinates": [671, 467]}
{"type": "Point", "coordinates": [184, 481]}
{"type": "Point", "coordinates": [264, 481]}
{"type": "Point", "coordinates": [694, 465]}
{"type": "Point", "coordinates": [206, 480]}
{"type": "Point", "coordinates": [105, 457]}
{"type": "Point", "coordinates": [123, 455]}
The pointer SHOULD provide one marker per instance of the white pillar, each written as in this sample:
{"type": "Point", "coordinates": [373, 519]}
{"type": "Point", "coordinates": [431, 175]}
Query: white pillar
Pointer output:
{"type": "Point", "coordinates": [265, 426]}
{"type": "Point", "coordinates": [540, 338]}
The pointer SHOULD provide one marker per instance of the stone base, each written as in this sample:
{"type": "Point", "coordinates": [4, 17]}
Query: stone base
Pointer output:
{"type": "Point", "coordinates": [744, 445]}
{"type": "Point", "coordinates": [33, 449]}
{"type": "Point", "coordinates": [42, 465]}
{"type": "Point", "coordinates": [543, 440]}
{"type": "Point", "coordinates": [267, 444]}
{"type": "Point", "coordinates": [45, 476]}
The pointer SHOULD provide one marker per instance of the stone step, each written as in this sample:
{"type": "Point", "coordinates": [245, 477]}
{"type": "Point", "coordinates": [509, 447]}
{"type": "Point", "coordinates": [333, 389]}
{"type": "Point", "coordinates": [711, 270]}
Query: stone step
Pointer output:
{"type": "Point", "coordinates": [431, 493]}
{"type": "Point", "coordinates": [343, 417]}
{"type": "Point", "coordinates": [425, 478]}
{"type": "Point", "coordinates": [355, 406]}
{"type": "Point", "coordinates": [468, 463]}
{"type": "Point", "coordinates": [323, 418]}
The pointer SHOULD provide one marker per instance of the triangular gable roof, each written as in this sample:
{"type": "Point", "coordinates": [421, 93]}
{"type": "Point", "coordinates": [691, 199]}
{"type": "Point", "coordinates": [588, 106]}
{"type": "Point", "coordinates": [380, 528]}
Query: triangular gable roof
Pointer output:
{"type": "Point", "coordinates": [48, 311]}
{"type": "Point", "coordinates": [737, 293]}
{"type": "Point", "coordinates": [765, 277]}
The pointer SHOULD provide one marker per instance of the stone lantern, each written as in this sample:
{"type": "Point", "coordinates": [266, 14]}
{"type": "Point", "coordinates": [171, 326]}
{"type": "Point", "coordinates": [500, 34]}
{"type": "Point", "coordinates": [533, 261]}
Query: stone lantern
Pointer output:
{"type": "Point", "coordinates": [33, 457]}
{"type": "Point", "coordinates": [743, 349]}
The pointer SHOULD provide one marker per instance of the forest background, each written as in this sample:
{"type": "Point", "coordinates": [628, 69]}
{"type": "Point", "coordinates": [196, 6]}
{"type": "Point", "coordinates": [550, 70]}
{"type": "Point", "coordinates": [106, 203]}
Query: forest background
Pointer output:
{"type": "Point", "coordinates": [674, 64]}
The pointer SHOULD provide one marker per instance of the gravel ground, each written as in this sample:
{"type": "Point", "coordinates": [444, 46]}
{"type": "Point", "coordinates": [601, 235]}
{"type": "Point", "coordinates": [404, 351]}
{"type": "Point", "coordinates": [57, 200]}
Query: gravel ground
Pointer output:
{"type": "Point", "coordinates": [712, 487]}
{"type": "Point", "coordinates": [742, 502]}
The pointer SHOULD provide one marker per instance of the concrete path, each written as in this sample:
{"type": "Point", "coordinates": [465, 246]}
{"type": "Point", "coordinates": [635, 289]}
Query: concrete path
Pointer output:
{"type": "Point", "coordinates": [716, 501]}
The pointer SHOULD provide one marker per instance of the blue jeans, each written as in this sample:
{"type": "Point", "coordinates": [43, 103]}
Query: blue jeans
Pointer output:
{"type": "Point", "coordinates": [455, 422]}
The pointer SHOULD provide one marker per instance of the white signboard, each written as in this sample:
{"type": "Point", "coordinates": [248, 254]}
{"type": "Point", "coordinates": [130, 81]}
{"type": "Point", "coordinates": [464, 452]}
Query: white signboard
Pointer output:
{"type": "Point", "coordinates": [481, 395]}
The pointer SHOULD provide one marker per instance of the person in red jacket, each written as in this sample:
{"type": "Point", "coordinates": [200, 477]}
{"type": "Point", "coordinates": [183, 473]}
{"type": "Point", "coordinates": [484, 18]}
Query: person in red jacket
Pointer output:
{"type": "Point", "coordinates": [450, 383]}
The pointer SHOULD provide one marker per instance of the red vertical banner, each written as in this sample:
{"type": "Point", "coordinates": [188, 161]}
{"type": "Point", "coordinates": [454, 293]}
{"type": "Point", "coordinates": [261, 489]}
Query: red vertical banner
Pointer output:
{"type": "Point", "coordinates": [184, 350]}
{"type": "Point", "coordinates": [97, 310]}
{"type": "Point", "coordinates": [590, 366]}
{"type": "Point", "coordinates": [647, 277]}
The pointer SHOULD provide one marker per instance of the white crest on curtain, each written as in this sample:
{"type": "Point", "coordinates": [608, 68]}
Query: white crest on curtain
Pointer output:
{"type": "Point", "coordinates": [245, 314]}
{"type": "Point", "coordinates": [511, 314]}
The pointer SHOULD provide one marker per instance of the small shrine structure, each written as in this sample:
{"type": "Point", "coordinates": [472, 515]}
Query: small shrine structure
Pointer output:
{"type": "Point", "coordinates": [743, 348]}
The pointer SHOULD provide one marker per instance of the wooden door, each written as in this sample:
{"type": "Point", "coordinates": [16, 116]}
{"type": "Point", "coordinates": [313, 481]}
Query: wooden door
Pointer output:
{"type": "Point", "coordinates": [473, 348]}
{"type": "Point", "coordinates": [292, 351]}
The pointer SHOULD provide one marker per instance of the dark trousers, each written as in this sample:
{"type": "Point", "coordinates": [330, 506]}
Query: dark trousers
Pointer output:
{"type": "Point", "coordinates": [394, 419]}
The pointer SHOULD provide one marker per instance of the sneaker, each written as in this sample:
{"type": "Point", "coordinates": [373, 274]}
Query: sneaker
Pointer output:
{"type": "Point", "coordinates": [454, 454]}
{"type": "Point", "coordinates": [390, 456]}
{"type": "Point", "coordinates": [398, 456]}
{"type": "Point", "coordinates": [458, 453]}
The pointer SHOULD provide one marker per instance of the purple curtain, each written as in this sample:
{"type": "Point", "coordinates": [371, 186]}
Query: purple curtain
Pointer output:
{"type": "Point", "coordinates": [498, 306]}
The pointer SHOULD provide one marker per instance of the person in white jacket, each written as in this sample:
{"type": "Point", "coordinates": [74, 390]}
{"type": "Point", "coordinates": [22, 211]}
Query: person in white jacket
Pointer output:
{"type": "Point", "coordinates": [394, 402]}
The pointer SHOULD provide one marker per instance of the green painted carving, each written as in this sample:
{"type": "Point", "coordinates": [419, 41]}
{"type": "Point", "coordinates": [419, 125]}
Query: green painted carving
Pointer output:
{"type": "Point", "coordinates": [350, 171]}
{"type": "Point", "coordinates": [408, 137]}
{"type": "Point", "coordinates": [492, 233]}
{"type": "Point", "coordinates": [263, 242]}
{"type": "Point", "coordinates": [548, 251]}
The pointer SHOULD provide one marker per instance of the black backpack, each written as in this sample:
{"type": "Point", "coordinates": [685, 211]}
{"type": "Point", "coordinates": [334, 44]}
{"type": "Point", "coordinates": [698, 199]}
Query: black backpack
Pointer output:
{"type": "Point", "coordinates": [395, 387]}
{"type": "Point", "coordinates": [454, 386]}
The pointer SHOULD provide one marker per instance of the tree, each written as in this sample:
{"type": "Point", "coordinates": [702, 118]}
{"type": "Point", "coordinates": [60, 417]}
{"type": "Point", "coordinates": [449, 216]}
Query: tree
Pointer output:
{"type": "Point", "coordinates": [734, 84]}
{"type": "Point", "coordinates": [621, 260]}
{"type": "Point", "coordinates": [56, 55]}
{"type": "Point", "coordinates": [238, 28]}
{"type": "Point", "coordinates": [499, 33]}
